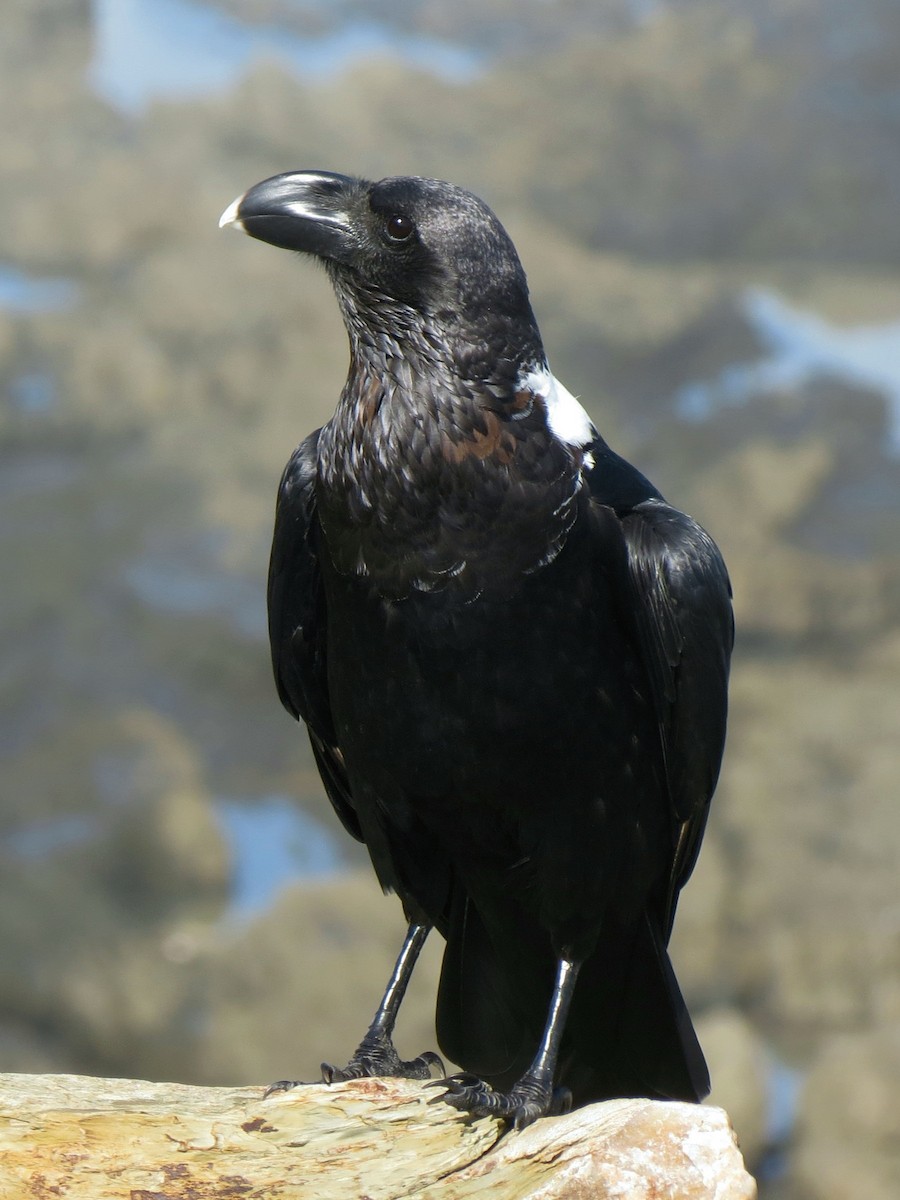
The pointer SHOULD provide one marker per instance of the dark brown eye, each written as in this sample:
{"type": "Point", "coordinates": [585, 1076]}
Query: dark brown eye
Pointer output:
{"type": "Point", "coordinates": [399, 228]}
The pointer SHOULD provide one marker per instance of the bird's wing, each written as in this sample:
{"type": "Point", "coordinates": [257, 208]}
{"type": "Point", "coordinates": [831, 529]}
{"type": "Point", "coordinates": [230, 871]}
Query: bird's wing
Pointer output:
{"type": "Point", "coordinates": [681, 601]}
{"type": "Point", "coordinates": [297, 624]}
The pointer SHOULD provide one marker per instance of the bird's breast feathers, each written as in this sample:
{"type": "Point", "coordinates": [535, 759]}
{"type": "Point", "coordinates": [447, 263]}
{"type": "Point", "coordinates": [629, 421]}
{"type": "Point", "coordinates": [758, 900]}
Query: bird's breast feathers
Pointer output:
{"type": "Point", "coordinates": [443, 483]}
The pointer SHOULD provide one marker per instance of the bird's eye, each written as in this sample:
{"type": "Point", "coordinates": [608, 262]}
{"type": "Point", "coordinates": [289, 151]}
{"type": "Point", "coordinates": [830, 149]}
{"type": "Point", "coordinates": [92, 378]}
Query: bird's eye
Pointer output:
{"type": "Point", "coordinates": [398, 227]}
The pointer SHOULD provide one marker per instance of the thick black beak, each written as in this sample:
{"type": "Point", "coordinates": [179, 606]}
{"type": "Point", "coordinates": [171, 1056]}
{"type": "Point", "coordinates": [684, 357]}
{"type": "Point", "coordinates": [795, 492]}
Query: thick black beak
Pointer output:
{"type": "Point", "coordinates": [301, 210]}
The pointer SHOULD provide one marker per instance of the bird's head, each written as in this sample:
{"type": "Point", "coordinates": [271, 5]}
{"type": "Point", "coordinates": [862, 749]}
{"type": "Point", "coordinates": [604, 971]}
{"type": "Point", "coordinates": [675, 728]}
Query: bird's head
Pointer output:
{"type": "Point", "coordinates": [407, 256]}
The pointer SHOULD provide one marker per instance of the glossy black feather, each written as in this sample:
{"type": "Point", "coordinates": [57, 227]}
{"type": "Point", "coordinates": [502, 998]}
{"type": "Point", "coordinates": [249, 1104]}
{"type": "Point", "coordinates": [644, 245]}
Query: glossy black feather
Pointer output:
{"type": "Point", "coordinates": [297, 624]}
{"type": "Point", "coordinates": [681, 603]}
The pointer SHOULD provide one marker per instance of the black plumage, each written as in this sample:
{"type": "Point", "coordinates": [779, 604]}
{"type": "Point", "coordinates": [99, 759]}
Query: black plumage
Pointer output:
{"type": "Point", "coordinates": [510, 652]}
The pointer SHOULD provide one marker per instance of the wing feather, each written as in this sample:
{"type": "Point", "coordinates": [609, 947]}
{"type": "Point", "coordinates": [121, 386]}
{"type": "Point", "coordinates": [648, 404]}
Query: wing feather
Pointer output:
{"type": "Point", "coordinates": [681, 601]}
{"type": "Point", "coordinates": [686, 630]}
{"type": "Point", "coordinates": [298, 624]}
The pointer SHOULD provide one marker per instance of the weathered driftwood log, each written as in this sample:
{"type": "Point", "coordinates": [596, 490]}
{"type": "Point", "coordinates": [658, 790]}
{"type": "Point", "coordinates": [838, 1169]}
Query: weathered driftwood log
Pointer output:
{"type": "Point", "coordinates": [98, 1139]}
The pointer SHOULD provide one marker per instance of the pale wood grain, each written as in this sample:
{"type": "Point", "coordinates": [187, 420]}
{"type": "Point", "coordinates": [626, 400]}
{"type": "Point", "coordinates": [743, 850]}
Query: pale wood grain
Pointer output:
{"type": "Point", "coordinates": [78, 1138]}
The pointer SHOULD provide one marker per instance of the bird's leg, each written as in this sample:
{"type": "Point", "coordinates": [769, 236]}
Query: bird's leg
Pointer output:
{"type": "Point", "coordinates": [375, 1055]}
{"type": "Point", "coordinates": [533, 1096]}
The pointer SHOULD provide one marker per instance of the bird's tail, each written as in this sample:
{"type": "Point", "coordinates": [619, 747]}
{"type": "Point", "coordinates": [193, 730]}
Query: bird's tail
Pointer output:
{"type": "Point", "coordinates": [628, 1033]}
{"type": "Point", "coordinates": [482, 1016]}
{"type": "Point", "coordinates": [632, 1035]}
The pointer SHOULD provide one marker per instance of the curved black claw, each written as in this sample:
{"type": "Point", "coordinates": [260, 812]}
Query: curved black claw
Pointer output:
{"type": "Point", "coordinates": [376, 1056]}
{"type": "Point", "coordinates": [524, 1103]}
{"type": "Point", "coordinates": [281, 1085]}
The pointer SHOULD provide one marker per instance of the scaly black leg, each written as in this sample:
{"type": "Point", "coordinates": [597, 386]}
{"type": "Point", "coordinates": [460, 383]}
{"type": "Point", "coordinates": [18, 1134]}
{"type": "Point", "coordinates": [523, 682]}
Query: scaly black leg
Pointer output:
{"type": "Point", "coordinates": [533, 1096]}
{"type": "Point", "coordinates": [375, 1054]}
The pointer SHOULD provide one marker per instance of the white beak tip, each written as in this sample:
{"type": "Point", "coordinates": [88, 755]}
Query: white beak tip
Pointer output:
{"type": "Point", "coordinates": [230, 215]}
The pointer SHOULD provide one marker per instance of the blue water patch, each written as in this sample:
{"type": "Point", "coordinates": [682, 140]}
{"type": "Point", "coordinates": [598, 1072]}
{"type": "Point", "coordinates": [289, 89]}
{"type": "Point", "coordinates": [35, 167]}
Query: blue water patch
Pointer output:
{"type": "Point", "coordinates": [273, 842]}
{"type": "Point", "coordinates": [151, 49]}
{"type": "Point", "coordinates": [785, 1085]}
{"type": "Point", "coordinates": [26, 294]}
{"type": "Point", "coordinates": [43, 838]}
{"type": "Point", "coordinates": [34, 393]}
{"type": "Point", "coordinates": [801, 346]}
{"type": "Point", "coordinates": [168, 583]}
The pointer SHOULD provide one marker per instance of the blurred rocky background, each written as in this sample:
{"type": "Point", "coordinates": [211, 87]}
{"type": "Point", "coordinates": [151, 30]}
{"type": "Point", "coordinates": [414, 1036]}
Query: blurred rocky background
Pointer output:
{"type": "Point", "coordinates": [705, 194]}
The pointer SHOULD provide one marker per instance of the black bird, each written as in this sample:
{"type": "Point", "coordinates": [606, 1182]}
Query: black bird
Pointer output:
{"type": "Point", "coordinates": [511, 655]}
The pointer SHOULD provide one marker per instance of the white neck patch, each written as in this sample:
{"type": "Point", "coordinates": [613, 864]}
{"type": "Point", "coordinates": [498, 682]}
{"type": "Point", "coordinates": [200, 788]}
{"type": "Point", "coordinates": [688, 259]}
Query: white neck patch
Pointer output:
{"type": "Point", "coordinates": [567, 419]}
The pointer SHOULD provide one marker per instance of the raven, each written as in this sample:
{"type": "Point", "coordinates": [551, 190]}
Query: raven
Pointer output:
{"type": "Point", "coordinates": [510, 653]}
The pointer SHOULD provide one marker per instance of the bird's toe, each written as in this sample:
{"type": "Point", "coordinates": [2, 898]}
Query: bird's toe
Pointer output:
{"type": "Point", "coordinates": [355, 1069]}
{"type": "Point", "coordinates": [377, 1057]}
{"type": "Point", "coordinates": [520, 1106]}
{"type": "Point", "coordinates": [281, 1085]}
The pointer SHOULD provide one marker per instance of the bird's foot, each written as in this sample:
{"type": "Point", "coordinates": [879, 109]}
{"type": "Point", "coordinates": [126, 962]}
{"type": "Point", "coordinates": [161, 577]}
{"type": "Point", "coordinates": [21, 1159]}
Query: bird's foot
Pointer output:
{"type": "Point", "coordinates": [522, 1104]}
{"type": "Point", "coordinates": [376, 1056]}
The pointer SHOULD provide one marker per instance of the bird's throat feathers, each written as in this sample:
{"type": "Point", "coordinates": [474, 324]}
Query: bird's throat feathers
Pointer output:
{"type": "Point", "coordinates": [421, 440]}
